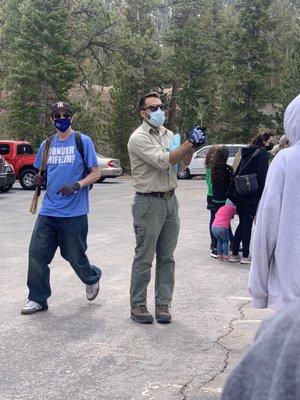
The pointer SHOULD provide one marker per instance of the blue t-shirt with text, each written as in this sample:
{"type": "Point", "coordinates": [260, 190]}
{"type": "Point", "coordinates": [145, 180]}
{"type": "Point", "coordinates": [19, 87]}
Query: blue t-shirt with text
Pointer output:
{"type": "Point", "coordinates": [65, 166]}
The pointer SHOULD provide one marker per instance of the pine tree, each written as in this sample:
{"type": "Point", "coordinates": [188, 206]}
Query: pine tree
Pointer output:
{"type": "Point", "coordinates": [285, 50]}
{"type": "Point", "coordinates": [248, 90]}
{"type": "Point", "coordinates": [196, 38]}
{"type": "Point", "coordinates": [42, 67]}
{"type": "Point", "coordinates": [136, 71]}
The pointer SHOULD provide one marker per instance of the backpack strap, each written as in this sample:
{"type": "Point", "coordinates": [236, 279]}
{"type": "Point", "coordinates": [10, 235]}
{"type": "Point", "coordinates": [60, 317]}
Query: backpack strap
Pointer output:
{"type": "Point", "coordinates": [79, 146]}
{"type": "Point", "coordinates": [257, 151]}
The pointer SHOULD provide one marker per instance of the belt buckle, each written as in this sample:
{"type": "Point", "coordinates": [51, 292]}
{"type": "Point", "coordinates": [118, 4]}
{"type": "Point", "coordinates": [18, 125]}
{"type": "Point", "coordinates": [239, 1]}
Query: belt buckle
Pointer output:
{"type": "Point", "coordinates": [167, 195]}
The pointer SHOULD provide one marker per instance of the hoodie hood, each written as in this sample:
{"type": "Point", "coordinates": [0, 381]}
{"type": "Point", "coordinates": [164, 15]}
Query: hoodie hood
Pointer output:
{"type": "Point", "coordinates": [292, 121]}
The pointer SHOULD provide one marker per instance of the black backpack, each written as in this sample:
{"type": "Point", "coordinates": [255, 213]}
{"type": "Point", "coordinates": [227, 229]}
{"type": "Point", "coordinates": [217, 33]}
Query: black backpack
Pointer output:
{"type": "Point", "coordinates": [79, 146]}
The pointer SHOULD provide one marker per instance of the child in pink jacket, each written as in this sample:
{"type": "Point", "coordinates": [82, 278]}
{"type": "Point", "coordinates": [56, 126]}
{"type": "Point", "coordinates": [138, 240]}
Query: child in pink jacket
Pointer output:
{"type": "Point", "coordinates": [220, 229]}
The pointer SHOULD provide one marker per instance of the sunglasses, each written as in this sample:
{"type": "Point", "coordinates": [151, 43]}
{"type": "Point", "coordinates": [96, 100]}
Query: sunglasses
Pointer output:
{"type": "Point", "coordinates": [155, 108]}
{"type": "Point", "coordinates": [61, 115]}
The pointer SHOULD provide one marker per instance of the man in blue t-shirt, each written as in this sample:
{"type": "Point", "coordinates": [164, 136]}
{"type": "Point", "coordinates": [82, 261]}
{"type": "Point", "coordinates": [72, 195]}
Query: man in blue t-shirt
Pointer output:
{"type": "Point", "coordinates": [62, 221]}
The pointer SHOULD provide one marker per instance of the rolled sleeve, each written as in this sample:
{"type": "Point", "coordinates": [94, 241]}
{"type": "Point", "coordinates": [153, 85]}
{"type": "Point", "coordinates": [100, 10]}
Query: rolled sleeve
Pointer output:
{"type": "Point", "coordinates": [142, 147]}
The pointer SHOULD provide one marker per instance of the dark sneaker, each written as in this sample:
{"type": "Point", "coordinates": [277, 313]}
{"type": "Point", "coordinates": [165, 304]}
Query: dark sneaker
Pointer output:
{"type": "Point", "coordinates": [214, 253]}
{"type": "Point", "coordinates": [141, 314]}
{"type": "Point", "coordinates": [32, 307]}
{"type": "Point", "coordinates": [162, 314]}
{"type": "Point", "coordinates": [92, 291]}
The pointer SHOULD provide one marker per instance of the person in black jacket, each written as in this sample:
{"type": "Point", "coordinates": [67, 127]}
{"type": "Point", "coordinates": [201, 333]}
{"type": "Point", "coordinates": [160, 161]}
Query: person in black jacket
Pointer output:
{"type": "Point", "coordinates": [221, 178]}
{"type": "Point", "coordinates": [250, 163]}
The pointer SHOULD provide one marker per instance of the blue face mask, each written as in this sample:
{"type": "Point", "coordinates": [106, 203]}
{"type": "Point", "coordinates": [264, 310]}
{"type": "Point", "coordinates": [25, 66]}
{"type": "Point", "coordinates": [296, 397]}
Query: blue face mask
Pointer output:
{"type": "Point", "coordinates": [62, 124]}
{"type": "Point", "coordinates": [157, 118]}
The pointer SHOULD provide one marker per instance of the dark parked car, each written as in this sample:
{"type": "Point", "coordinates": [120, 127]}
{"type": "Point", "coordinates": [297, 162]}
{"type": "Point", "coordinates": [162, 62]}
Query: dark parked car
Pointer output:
{"type": "Point", "coordinates": [7, 175]}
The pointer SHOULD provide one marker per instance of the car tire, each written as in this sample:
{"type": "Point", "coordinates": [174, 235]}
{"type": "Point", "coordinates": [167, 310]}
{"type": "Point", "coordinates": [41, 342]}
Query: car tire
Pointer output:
{"type": "Point", "coordinates": [26, 179]}
{"type": "Point", "coordinates": [5, 188]}
{"type": "Point", "coordinates": [101, 179]}
{"type": "Point", "coordinates": [186, 174]}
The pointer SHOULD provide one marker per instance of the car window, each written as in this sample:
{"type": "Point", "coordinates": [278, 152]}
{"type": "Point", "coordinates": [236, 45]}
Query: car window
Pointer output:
{"type": "Point", "coordinates": [4, 148]}
{"type": "Point", "coordinates": [24, 149]}
{"type": "Point", "coordinates": [202, 153]}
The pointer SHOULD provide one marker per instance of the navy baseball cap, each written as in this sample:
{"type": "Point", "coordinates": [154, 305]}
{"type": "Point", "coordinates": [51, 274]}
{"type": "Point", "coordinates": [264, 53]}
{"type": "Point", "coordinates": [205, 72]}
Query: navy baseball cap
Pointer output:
{"type": "Point", "coordinates": [61, 106]}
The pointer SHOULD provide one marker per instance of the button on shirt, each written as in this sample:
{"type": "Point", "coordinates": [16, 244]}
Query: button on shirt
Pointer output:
{"type": "Point", "coordinates": [149, 153]}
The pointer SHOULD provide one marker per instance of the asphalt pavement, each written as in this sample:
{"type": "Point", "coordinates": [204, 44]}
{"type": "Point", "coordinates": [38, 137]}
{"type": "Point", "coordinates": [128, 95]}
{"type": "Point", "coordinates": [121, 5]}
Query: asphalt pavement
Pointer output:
{"type": "Point", "coordinates": [84, 350]}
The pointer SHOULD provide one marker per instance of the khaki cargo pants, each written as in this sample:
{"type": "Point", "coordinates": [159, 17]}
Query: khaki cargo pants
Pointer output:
{"type": "Point", "coordinates": [156, 225]}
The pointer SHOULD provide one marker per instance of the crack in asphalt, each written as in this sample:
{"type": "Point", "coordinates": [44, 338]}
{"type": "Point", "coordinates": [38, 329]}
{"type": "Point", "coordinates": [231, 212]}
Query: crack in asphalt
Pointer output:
{"type": "Point", "coordinates": [183, 389]}
{"type": "Point", "coordinates": [217, 342]}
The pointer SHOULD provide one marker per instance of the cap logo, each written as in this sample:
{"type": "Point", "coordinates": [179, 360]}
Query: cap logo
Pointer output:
{"type": "Point", "coordinates": [60, 104]}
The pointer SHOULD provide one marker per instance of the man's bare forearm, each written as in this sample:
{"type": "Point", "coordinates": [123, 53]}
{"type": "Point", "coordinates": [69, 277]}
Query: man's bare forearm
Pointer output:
{"type": "Point", "coordinates": [91, 178]}
{"type": "Point", "coordinates": [184, 152]}
{"type": "Point", "coordinates": [188, 157]}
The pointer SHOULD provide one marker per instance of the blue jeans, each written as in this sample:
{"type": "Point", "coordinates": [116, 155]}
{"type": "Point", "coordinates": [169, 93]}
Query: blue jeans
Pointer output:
{"type": "Point", "coordinates": [212, 218]}
{"type": "Point", "coordinates": [69, 234]}
{"type": "Point", "coordinates": [222, 236]}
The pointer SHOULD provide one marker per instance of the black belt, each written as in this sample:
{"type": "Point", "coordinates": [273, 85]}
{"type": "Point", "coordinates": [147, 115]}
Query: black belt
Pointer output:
{"type": "Point", "coordinates": [165, 195]}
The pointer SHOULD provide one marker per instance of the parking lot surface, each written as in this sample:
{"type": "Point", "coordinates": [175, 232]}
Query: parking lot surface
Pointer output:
{"type": "Point", "coordinates": [92, 350]}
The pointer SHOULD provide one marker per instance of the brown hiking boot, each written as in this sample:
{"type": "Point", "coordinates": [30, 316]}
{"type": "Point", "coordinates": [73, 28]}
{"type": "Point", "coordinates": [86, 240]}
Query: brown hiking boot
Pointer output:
{"type": "Point", "coordinates": [162, 314]}
{"type": "Point", "coordinates": [141, 314]}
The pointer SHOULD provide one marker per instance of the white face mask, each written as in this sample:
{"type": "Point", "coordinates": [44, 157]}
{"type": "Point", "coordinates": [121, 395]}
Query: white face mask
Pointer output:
{"type": "Point", "coordinates": [157, 118]}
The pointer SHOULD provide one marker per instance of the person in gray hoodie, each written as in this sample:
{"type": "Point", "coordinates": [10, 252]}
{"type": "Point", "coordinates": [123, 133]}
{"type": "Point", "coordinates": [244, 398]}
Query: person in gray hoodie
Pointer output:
{"type": "Point", "coordinates": [274, 279]}
{"type": "Point", "coordinates": [271, 368]}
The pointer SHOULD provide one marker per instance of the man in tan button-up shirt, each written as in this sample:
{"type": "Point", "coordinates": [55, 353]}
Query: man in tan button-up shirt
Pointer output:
{"type": "Point", "coordinates": [155, 207]}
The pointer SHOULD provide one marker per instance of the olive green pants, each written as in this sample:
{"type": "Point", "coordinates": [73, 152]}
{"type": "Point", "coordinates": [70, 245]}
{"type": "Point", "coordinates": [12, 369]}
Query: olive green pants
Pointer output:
{"type": "Point", "coordinates": [156, 226]}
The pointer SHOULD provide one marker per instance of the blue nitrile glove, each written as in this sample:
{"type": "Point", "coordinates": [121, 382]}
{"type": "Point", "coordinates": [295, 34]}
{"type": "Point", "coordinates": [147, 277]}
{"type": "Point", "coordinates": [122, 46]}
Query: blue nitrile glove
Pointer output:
{"type": "Point", "coordinates": [176, 142]}
{"type": "Point", "coordinates": [197, 136]}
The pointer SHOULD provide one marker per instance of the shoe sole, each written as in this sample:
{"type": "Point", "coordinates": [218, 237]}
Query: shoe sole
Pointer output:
{"type": "Point", "coordinates": [213, 256]}
{"type": "Point", "coordinates": [145, 321]}
{"type": "Point", "coordinates": [95, 295]}
{"type": "Point", "coordinates": [246, 262]}
{"type": "Point", "coordinates": [163, 320]}
{"type": "Point", "coordinates": [30, 312]}
{"type": "Point", "coordinates": [234, 261]}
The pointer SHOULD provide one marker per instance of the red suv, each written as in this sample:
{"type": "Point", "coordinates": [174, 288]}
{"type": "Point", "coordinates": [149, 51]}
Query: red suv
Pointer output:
{"type": "Point", "coordinates": [20, 155]}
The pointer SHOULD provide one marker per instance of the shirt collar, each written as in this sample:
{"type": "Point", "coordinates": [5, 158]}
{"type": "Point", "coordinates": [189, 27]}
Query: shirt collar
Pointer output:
{"type": "Point", "coordinates": [161, 130]}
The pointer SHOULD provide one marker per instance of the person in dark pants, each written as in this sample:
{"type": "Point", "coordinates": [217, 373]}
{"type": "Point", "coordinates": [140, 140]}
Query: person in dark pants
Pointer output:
{"type": "Point", "coordinates": [62, 221]}
{"type": "Point", "coordinates": [252, 162]}
{"type": "Point", "coordinates": [221, 178]}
